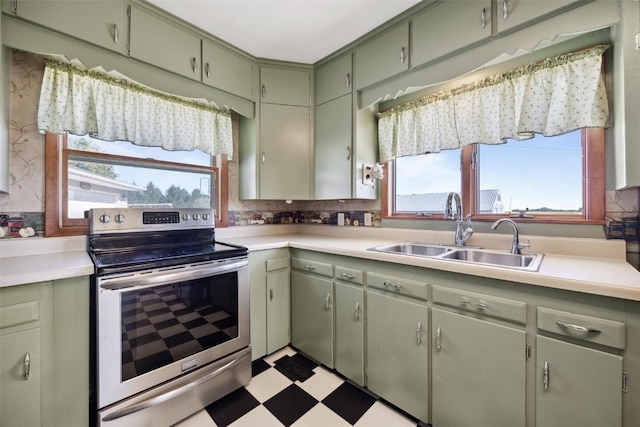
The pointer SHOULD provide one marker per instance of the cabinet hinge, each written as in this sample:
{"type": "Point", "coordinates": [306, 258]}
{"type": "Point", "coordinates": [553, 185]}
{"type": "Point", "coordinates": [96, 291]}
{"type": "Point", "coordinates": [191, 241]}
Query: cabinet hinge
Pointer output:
{"type": "Point", "coordinates": [625, 383]}
{"type": "Point", "coordinates": [527, 352]}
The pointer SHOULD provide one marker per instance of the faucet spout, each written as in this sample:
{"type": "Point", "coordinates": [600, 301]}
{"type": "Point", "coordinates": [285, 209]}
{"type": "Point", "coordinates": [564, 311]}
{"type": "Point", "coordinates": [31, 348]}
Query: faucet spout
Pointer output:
{"type": "Point", "coordinates": [515, 243]}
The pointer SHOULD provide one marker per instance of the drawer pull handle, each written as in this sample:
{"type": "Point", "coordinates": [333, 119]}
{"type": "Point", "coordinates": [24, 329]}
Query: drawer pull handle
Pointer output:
{"type": "Point", "coordinates": [419, 333]}
{"type": "Point", "coordinates": [264, 91]}
{"type": "Point", "coordinates": [27, 366]}
{"type": "Point", "coordinates": [438, 339]}
{"type": "Point", "coordinates": [310, 267]}
{"type": "Point", "coordinates": [348, 80]}
{"type": "Point", "coordinates": [577, 328]}
{"type": "Point", "coordinates": [115, 33]}
{"type": "Point", "coordinates": [356, 311]}
{"type": "Point", "coordinates": [464, 301]}
{"type": "Point", "coordinates": [194, 64]}
{"type": "Point", "coordinates": [402, 56]}
{"type": "Point", "coordinates": [481, 306]}
{"type": "Point", "coordinates": [348, 276]}
{"type": "Point", "coordinates": [207, 69]}
{"type": "Point", "coordinates": [270, 294]}
{"type": "Point", "coordinates": [483, 18]}
{"type": "Point", "coordinates": [505, 10]}
{"type": "Point", "coordinates": [389, 284]}
{"type": "Point", "coordinates": [545, 376]}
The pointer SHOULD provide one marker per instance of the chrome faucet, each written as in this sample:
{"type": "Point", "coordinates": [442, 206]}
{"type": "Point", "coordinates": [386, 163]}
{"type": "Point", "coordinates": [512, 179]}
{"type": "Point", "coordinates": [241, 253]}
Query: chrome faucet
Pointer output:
{"type": "Point", "coordinates": [462, 235]}
{"type": "Point", "coordinates": [515, 244]}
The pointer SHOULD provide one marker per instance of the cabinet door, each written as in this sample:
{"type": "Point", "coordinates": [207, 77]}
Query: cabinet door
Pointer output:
{"type": "Point", "coordinates": [398, 352]}
{"type": "Point", "coordinates": [478, 372]}
{"type": "Point", "coordinates": [20, 396]}
{"type": "Point", "coordinates": [286, 152]}
{"type": "Point", "coordinates": [382, 57]}
{"type": "Point", "coordinates": [278, 310]}
{"type": "Point", "coordinates": [161, 43]}
{"type": "Point", "coordinates": [577, 386]}
{"type": "Point", "coordinates": [101, 22]}
{"type": "Point", "coordinates": [284, 86]}
{"type": "Point", "coordinates": [226, 70]}
{"type": "Point", "coordinates": [334, 79]}
{"type": "Point", "coordinates": [258, 303]}
{"type": "Point", "coordinates": [512, 13]}
{"type": "Point", "coordinates": [349, 307]}
{"type": "Point", "coordinates": [333, 149]}
{"type": "Point", "coordinates": [449, 26]}
{"type": "Point", "coordinates": [312, 316]}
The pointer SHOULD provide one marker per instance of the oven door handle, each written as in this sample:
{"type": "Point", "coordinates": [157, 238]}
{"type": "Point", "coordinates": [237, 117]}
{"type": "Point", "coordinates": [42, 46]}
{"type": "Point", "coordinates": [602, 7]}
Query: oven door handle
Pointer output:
{"type": "Point", "coordinates": [169, 276]}
{"type": "Point", "coordinates": [164, 397]}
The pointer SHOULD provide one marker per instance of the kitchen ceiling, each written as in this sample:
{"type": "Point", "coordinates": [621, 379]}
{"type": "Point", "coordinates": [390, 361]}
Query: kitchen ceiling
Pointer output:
{"type": "Point", "coordinates": [303, 31]}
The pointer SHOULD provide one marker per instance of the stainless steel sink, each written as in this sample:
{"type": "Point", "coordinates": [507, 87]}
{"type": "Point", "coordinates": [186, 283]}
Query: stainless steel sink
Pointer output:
{"type": "Point", "coordinates": [409, 248]}
{"type": "Point", "coordinates": [529, 262]}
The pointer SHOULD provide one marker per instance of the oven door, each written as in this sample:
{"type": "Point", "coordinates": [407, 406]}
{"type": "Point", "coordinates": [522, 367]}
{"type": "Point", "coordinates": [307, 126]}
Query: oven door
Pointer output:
{"type": "Point", "coordinates": [154, 326]}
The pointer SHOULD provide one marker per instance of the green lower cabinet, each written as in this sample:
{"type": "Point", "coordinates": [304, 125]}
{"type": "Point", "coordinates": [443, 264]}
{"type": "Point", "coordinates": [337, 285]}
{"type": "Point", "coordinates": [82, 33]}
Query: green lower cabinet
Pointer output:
{"type": "Point", "coordinates": [577, 386]}
{"type": "Point", "coordinates": [398, 352]}
{"type": "Point", "coordinates": [20, 379]}
{"type": "Point", "coordinates": [478, 372]}
{"type": "Point", "coordinates": [312, 316]}
{"type": "Point", "coordinates": [278, 310]}
{"type": "Point", "coordinates": [349, 310]}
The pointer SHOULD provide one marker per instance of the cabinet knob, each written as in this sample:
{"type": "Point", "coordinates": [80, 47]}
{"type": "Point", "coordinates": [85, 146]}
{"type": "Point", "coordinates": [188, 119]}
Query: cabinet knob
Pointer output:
{"type": "Point", "coordinates": [347, 152]}
{"type": "Point", "coordinates": [115, 33]}
{"type": "Point", "coordinates": [327, 302]}
{"type": "Point", "coordinates": [348, 80]}
{"type": "Point", "coordinates": [207, 69]}
{"type": "Point", "coordinates": [264, 91]}
{"type": "Point", "coordinates": [194, 64]}
{"type": "Point", "coordinates": [402, 56]}
{"type": "Point", "coordinates": [505, 9]}
{"type": "Point", "coordinates": [483, 18]}
{"type": "Point", "coordinates": [356, 311]}
{"type": "Point", "coordinates": [419, 333]}
{"type": "Point", "coordinates": [270, 294]}
{"type": "Point", "coordinates": [545, 375]}
{"type": "Point", "coordinates": [438, 339]}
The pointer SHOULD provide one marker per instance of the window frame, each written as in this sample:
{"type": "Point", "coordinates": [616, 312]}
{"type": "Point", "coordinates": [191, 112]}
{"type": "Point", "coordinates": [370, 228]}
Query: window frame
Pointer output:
{"type": "Point", "coordinates": [58, 224]}
{"type": "Point", "coordinates": [593, 197]}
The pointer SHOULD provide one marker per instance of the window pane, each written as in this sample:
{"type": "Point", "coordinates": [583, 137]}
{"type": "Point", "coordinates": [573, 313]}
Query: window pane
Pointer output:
{"type": "Point", "coordinates": [543, 175]}
{"type": "Point", "coordinates": [423, 182]}
{"type": "Point", "coordinates": [99, 183]}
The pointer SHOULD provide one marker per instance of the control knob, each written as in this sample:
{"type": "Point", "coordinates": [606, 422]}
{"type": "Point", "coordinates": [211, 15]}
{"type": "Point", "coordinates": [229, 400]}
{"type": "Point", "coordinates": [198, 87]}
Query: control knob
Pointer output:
{"type": "Point", "coordinates": [104, 218]}
{"type": "Point", "coordinates": [186, 217]}
{"type": "Point", "coordinates": [119, 218]}
{"type": "Point", "coordinates": [205, 216]}
{"type": "Point", "coordinates": [196, 216]}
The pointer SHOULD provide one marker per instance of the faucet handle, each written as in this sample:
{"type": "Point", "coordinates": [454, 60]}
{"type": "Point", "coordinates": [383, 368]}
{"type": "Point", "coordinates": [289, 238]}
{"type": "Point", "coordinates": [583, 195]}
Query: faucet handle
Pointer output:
{"type": "Point", "coordinates": [525, 245]}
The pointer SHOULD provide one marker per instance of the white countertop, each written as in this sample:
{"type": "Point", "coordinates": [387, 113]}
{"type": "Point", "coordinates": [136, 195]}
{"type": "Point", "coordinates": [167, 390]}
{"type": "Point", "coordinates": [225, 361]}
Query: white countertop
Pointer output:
{"type": "Point", "coordinates": [594, 266]}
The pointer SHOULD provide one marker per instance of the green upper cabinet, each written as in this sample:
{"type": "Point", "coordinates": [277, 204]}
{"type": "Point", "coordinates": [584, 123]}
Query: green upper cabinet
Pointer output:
{"type": "Point", "coordinates": [226, 70]}
{"type": "Point", "coordinates": [101, 22]}
{"type": "Point", "coordinates": [382, 57]}
{"type": "Point", "coordinates": [160, 42]}
{"type": "Point", "coordinates": [512, 13]}
{"type": "Point", "coordinates": [334, 79]}
{"type": "Point", "coordinates": [285, 86]}
{"type": "Point", "coordinates": [449, 26]}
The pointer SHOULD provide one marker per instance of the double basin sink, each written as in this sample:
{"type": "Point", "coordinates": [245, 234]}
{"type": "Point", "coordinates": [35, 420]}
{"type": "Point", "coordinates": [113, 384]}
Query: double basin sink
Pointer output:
{"type": "Point", "coordinates": [526, 262]}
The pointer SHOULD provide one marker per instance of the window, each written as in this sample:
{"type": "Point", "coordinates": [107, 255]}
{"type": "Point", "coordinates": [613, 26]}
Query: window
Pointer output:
{"type": "Point", "coordinates": [84, 173]}
{"type": "Point", "coordinates": [555, 179]}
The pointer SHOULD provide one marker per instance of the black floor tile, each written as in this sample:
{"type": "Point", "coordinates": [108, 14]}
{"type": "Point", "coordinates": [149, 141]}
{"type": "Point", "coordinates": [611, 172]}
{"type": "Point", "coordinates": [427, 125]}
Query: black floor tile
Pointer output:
{"type": "Point", "coordinates": [231, 407]}
{"type": "Point", "coordinates": [258, 367]}
{"type": "Point", "coordinates": [349, 402]}
{"type": "Point", "coordinates": [290, 404]}
{"type": "Point", "coordinates": [295, 368]}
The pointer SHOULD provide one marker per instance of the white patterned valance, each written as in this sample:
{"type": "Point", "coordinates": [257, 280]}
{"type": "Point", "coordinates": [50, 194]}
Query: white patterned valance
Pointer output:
{"type": "Point", "coordinates": [83, 102]}
{"type": "Point", "coordinates": [553, 97]}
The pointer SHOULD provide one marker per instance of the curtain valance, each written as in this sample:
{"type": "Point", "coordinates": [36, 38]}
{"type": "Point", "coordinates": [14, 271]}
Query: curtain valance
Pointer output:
{"type": "Point", "coordinates": [81, 102]}
{"type": "Point", "coordinates": [552, 97]}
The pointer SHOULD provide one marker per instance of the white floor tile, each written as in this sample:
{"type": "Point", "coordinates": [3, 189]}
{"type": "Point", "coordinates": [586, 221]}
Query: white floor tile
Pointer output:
{"type": "Point", "coordinates": [260, 416]}
{"type": "Point", "coordinates": [321, 416]}
{"type": "Point", "coordinates": [321, 384]}
{"type": "Point", "coordinates": [266, 385]}
{"type": "Point", "coordinates": [380, 415]}
{"type": "Point", "coordinates": [287, 351]}
{"type": "Point", "coordinates": [199, 419]}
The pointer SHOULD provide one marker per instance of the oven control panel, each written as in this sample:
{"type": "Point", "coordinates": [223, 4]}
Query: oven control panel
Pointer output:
{"type": "Point", "coordinates": [120, 220]}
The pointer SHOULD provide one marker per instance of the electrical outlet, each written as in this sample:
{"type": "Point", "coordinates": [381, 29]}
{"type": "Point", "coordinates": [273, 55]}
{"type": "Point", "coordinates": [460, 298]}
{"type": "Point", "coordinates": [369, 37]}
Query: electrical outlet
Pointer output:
{"type": "Point", "coordinates": [367, 219]}
{"type": "Point", "coordinates": [340, 219]}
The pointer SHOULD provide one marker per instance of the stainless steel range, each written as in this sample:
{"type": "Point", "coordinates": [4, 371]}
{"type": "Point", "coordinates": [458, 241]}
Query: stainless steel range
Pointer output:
{"type": "Point", "coordinates": [170, 315]}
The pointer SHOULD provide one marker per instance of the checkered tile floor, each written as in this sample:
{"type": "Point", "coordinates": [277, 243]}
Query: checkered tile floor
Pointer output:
{"type": "Point", "coordinates": [288, 389]}
{"type": "Point", "coordinates": [161, 326]}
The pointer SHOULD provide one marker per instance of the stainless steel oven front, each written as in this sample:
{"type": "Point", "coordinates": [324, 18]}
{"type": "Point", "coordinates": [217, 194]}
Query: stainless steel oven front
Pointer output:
{"type": "Point", "coordinates": [170, 340]}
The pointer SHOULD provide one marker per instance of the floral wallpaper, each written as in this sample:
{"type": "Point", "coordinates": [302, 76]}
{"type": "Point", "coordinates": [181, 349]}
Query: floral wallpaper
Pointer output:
{"type": "Point", "coordinates": [27, 198]}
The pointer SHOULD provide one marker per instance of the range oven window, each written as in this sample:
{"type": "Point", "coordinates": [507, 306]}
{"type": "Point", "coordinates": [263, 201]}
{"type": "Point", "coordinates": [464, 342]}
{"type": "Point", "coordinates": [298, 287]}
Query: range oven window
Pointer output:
{"type": "Point", "coordinates": [163, 324]}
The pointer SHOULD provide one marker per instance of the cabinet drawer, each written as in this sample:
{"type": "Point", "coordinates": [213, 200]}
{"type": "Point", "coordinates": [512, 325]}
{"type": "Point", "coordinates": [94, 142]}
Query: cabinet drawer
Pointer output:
{"type": "Point", "coordinates": [18, 314]}
{"type": "Point", "coordinates": [593, 329]}
{"type": "Point", "coordinates": [501, 308]}
{"type": "Point", "coordinates": [401, 286]}
{"type": "Point", "coordinates": [349, 275]}
{"type": "Point", "coordinates": [277, 264]}
{"type": "Point", "coordinates": [320, 268]}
